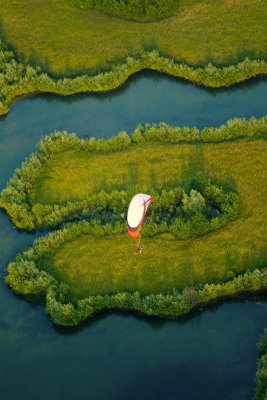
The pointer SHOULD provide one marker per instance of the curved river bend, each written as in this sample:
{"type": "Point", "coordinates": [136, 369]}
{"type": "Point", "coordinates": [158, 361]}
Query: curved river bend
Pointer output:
{"type": "Point", "coordinates": [209, 355]}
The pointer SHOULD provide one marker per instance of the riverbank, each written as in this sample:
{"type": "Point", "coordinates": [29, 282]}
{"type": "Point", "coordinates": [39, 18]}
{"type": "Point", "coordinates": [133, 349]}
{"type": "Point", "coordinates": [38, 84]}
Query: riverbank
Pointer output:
{"type": "Point", "coordinates": [18, 79]}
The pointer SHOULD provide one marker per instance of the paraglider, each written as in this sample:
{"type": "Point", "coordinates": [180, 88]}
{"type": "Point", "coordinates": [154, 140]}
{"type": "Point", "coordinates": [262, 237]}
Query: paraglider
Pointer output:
{"type": "Point", "coordinates": [136, 214]}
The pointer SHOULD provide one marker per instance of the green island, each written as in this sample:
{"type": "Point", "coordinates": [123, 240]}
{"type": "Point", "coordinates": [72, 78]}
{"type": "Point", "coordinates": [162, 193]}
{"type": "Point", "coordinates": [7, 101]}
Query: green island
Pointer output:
{"type": "Point", "coordinates": [103, 62]}
{"type": "Point", "coordinates": [204, 261]}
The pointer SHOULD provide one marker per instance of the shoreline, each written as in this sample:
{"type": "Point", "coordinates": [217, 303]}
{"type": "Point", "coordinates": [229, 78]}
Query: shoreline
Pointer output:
{"type": "Point", "coordinates": [38, 82]}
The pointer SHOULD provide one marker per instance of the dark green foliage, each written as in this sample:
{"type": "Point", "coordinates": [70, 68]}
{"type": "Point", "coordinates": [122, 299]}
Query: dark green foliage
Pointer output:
{"type": "Point", "coordinates": [137, 10]}
{"type": "Point", "coordinates": [261, 376]}
{"type": "Point", "coordinates": [26, 276]}
{"type": "Point", "coordinates": [191, 214]}
{"type": "Point", "coordinates": [17, 79]}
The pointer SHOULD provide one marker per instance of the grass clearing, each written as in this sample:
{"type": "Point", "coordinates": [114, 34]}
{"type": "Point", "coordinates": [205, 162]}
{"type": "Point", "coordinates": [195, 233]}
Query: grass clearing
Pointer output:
{"type": "Point", "coordinates": [67, 40]}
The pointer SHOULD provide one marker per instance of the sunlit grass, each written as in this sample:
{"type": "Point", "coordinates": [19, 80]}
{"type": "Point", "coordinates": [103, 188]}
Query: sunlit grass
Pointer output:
{"type": "Point", "coordinates": [108, 265]}
{"type": "Point", "coordinates": [65, 39]}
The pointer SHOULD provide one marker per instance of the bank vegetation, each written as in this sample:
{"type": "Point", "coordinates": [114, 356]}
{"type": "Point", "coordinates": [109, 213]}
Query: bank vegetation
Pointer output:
{"type": "Point", "coordinates": [18, 79]}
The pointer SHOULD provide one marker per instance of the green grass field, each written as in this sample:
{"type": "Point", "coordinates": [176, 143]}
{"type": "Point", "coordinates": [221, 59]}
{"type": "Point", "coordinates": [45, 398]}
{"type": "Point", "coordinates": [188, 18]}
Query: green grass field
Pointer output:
{"type": "Point", "coordinates": [109, 265]}
{"type": "Point", "coordinates": [65, 39]}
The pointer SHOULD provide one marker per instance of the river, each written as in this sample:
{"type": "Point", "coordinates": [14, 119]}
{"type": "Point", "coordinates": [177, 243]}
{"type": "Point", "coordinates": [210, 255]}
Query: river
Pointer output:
{"type": "Point", "coordinates": [210, 355]}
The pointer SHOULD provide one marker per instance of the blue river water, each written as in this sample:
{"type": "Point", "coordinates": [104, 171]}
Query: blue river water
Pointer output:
{"type": "Point", "coordinates": [211, 354]}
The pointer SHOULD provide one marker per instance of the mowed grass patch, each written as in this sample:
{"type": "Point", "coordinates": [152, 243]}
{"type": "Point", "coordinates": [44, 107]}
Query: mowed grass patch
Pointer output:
{"type": "Point", "coordinates": [69, 40]}
{"type": "Point", "coordinates": [108, 265]}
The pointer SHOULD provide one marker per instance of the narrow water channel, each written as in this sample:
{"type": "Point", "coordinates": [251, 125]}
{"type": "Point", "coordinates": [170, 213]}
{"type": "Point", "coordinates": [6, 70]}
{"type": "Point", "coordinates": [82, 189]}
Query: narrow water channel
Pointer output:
{"type": "Point", "coordinates": [209, 355]}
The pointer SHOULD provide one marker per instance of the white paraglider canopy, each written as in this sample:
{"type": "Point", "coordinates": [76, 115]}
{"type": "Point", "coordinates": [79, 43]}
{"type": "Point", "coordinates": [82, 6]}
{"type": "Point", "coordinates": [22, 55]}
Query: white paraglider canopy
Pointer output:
{"type": "Point", "coordinates": [136, 213]}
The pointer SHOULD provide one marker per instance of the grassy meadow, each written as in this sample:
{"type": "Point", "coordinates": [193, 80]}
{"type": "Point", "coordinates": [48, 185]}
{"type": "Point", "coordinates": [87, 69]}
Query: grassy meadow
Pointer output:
{"type": "Point", "coordinates": [107, 265]}
{"type": "Point", "coordinates": [67, 40]}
